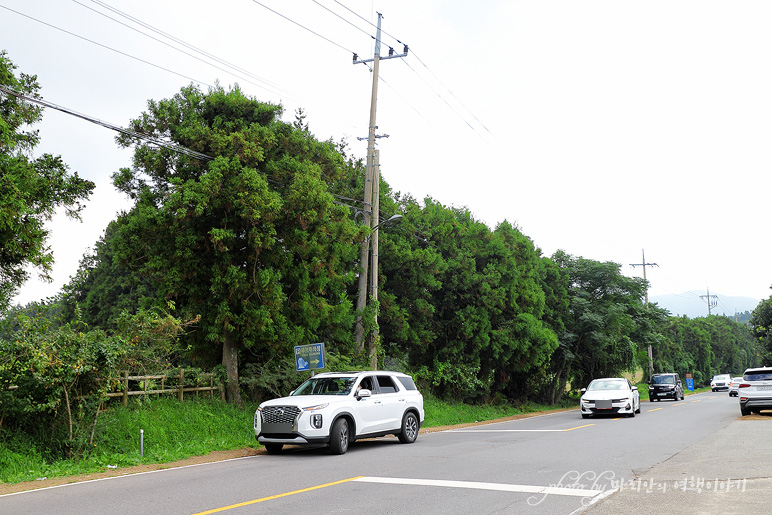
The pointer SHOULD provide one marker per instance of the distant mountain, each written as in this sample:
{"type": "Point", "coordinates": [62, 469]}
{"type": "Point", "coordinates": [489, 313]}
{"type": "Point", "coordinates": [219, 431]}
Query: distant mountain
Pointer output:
{"type": "Point", "coordinates": [692, 305]}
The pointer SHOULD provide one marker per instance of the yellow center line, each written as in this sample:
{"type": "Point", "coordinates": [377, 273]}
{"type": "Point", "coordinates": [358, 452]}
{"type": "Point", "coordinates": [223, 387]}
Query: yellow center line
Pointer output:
{"type": "Point", "coordinates": [698, 400]}
{"type": "Point", "coordinates": [578, 427]}
{"type": "Point", "coordinates": [255, 501]}
{"type": "Point", "coordinates": [655, 409]}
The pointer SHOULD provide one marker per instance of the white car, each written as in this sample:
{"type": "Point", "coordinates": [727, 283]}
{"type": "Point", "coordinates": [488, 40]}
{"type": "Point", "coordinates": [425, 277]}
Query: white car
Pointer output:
{"type": "Point", "coordinates": [610, 396]}
{"type": "Point", "coordinates": [336, 408]}
{"type": "Point", "coordinates": [734, 385]}
{"type": "Point", "coordinates": [720, 382]}
{"type": "Point", "coordinates": [755, 390]}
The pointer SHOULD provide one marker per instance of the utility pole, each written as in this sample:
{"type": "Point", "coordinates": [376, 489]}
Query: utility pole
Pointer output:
{"type": "Point", "coordinates": [712, 300]}
{"type": "Point", "coordinates": [373, 337]}
{"type": "Point", "coordinates": [370, 217]}
{"type": "Point", "coordinates": [644, 264]}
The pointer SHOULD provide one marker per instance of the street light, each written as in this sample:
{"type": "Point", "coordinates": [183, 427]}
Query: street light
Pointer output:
{"type": "Point", "coordinates": [362, 298]}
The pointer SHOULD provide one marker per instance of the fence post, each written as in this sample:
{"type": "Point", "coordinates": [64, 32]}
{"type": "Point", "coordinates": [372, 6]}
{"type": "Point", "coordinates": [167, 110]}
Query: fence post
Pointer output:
{"type": "Point", "coordinates": [181, 384]}
{"type": "Point", "coordinates": [125, 388]}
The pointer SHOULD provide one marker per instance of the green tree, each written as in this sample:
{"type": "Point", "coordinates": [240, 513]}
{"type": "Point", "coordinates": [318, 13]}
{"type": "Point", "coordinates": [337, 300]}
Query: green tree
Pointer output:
{"type": "Point", "coordinates": [104, 287]}
{"type": "Point", "coordinates": [605, 314]}
{"type": "Point", "coordinates": [31, 189]}
{"type": "Point", "coordinates": [761, 324]}
{"type": "Point", "coordinates": [252, 241]}
{"type": "Point", "coordinates": [464, 303]}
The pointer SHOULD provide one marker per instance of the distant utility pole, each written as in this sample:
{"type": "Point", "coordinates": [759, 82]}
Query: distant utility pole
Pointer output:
{"type": "Point", "coordinates": [370, 218]}
{"type": "Point", "coordinates": [644, 264]}
{"type": "Point", "coordinates": [712, 300]}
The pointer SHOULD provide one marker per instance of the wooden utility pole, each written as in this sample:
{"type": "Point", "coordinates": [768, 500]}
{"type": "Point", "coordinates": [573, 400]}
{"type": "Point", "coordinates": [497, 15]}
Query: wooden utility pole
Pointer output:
{"type": "Point", "coordinates": [372, 339]}
{"type": "Point", "coordinates": [370, 217]}
{"type": "Point", "coordinates": [644, 264]}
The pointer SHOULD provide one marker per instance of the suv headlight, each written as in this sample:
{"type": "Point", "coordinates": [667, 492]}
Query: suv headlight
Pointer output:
{"type": "Point", "coordinates": [316, 407]}
{"type": "Point", "coordinates": [316, 421]}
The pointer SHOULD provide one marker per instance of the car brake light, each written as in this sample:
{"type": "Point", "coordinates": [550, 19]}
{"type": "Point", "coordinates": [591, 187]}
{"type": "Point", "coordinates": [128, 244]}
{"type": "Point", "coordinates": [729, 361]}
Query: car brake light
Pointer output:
{"type": "Point", "coordinates": [743, 385]}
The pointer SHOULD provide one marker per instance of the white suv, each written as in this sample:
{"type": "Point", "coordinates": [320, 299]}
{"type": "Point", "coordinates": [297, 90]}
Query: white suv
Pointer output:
{"type": "Point", "coordinates": [336, 408]}
{"type": "Point", "coordinates": [755, 390]}
{"type": "Point", "coordinates": [720, 382]}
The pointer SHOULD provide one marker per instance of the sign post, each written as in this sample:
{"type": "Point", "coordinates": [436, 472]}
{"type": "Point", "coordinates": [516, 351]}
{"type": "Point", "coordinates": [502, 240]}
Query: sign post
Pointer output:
{"type": "Point", "coordinates": [689, 382]}
{"type": "Point", "coordinates": [309, 357]}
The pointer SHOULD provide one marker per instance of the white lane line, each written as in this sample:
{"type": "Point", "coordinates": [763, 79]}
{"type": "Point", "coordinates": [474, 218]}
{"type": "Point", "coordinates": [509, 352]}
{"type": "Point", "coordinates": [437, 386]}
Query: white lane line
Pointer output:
{"type": "Point", "coordinates": [502, 487]}
{"type": "Point", "coordinates": [516, 430]}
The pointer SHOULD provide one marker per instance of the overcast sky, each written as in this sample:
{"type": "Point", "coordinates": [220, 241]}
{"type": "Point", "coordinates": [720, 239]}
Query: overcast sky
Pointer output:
{"type": "Point", "coordinates": [603, 128]}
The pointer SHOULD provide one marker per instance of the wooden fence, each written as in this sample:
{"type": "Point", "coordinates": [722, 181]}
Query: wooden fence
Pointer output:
{"type": "Point", "coordinates": [180, 389]}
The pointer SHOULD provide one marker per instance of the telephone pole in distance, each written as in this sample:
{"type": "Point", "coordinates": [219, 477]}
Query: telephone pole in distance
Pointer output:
{"type": "Point", "coordinates": [644, 264]}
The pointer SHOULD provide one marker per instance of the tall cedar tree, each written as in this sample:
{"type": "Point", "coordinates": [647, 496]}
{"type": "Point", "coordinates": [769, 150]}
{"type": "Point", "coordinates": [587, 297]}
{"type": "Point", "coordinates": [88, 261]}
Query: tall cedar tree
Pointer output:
{"type": "Point", "coordinates": [252, 241]}
{"type": "Point", "coordinates": [31, 189]}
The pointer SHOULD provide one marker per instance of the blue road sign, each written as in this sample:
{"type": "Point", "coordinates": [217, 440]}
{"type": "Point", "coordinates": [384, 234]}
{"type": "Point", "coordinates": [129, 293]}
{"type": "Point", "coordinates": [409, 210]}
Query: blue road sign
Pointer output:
{"type": "Point", "coordinates": [309, 357]}
{"type": "Point", "coordinates": [690, 384]}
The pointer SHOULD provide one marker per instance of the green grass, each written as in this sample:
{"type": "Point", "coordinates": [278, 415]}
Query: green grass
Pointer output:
{"type": "Point", "coordinates": [172, 431]}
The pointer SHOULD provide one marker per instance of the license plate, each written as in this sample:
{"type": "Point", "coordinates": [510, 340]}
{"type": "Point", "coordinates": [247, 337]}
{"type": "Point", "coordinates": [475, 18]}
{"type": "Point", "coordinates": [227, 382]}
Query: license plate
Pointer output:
{"type": "Point", "coordinates": [764, 387]}
{"type": "Point", "coordinates": [603, 404]}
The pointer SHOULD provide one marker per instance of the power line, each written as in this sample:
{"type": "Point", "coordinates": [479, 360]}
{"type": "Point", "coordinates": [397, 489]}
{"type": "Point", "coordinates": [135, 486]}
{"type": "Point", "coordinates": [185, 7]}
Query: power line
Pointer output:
{"type": "Point", "coordinates": [342, 18]}
{"type": "Point", "coordinates": [107, 47]}
{"type": "Point", "coordinates": [177, 40]}
{"type": "Point", "coordinates": [156, 141]}
{"type": "Point", "coordinates": [303, 26]}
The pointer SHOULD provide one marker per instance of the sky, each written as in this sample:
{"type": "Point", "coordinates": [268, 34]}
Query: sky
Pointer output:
{"type": "Point", "coordinates": [602, 128]}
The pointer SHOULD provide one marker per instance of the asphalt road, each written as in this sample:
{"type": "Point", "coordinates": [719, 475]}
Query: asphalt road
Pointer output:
{"type": "Point", "coordinates": [552, 464]}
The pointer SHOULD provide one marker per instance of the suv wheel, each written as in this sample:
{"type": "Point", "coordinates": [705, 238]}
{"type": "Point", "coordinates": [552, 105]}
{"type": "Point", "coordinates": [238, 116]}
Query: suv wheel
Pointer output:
{"type": "Point", "coordinates": [409, 428]}
{"type": "Point", "coordinates": [339, 436]}
{"type": "Point", "coordinates": [745, 411]}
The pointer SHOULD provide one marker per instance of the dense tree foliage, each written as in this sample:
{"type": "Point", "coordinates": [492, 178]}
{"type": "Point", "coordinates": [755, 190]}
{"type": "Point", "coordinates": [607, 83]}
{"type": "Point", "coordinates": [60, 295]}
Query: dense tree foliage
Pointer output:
{"type": "Point", "coordinates": [603, 320]}
{"type": "Point", "coordinates": [31, 188]}
{"type": "Point", "coordinates": [464, 303]}
{"type": "Point", "coordinates": [761, 324]}
{"type": "Point", "coordinates": [252, 241]}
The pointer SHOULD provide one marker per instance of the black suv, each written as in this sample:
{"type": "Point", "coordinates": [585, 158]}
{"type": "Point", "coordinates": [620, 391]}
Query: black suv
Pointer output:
{"type": "Point", "coordinates": [665, 386]}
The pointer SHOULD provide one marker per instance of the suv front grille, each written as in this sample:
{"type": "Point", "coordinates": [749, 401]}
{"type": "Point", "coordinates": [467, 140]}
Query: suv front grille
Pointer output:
{"type": "Point", "coordinates": [280, 414]}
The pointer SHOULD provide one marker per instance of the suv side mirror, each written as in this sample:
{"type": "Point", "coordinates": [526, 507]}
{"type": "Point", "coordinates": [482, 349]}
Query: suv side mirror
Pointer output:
{"type": "Point", "coordinates": [364, 392]}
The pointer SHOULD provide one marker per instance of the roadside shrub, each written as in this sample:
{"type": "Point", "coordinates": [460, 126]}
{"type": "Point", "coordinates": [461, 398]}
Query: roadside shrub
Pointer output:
{"type": "Point", "coordinates": [53, 379]}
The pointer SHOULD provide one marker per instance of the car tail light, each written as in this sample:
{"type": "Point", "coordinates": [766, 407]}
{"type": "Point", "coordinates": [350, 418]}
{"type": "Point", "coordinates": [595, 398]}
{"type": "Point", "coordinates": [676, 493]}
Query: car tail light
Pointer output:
{"type": "Point", "coordinates": [743, 385]}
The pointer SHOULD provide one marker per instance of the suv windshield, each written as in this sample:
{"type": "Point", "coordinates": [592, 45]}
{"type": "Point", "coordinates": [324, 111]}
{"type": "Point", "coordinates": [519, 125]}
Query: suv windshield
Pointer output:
{"type": "Point", "coordinates": [663, 380]}
{"type": "Point", "coordinates": [326, 386]}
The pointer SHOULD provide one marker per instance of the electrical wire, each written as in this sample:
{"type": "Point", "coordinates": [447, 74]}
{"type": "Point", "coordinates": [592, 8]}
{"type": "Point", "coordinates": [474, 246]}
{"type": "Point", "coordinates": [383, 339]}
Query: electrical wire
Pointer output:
{"type": "Point", "coordinates": [165, 43]}
{"type": "Point", "coordinates": [303, 27]}
{"type": "Point", "coordinates": [156, 141]}
{"type": "Point", "coordinates": [106, 47]}
{"type": "Point", "coordinates": [342, 18]}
